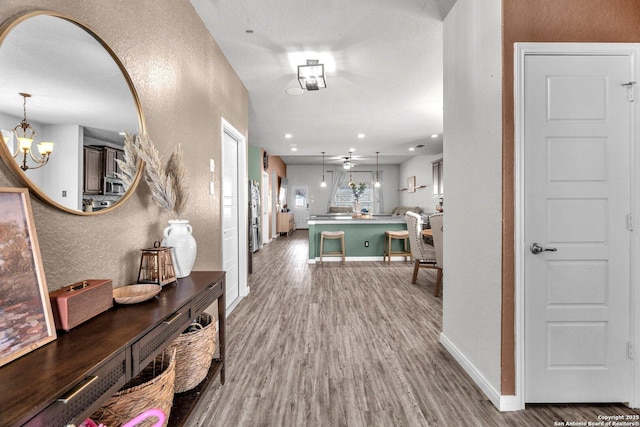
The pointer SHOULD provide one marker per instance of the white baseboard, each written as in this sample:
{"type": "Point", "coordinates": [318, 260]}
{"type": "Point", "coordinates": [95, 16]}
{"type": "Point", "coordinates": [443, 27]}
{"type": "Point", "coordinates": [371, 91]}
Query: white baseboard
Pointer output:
{"type": "Point", "coordinates": [353, 258]}
{"type": "Point", "coordinates": [503, 403]}
{"type": "Point", "coordinates": [234, 305]}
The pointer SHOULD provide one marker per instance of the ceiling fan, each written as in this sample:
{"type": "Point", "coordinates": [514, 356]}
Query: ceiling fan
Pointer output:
{"type": "Point", "coordinates": [347, 161]}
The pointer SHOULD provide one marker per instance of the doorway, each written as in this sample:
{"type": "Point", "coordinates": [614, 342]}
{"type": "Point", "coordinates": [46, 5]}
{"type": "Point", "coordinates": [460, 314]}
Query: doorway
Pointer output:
{"type": "Point", "coordinates": [575, 124]}
{"type": "Point", "coordinates": [300, 201]}
{"type": "Point", "coordinates": [235, 201]}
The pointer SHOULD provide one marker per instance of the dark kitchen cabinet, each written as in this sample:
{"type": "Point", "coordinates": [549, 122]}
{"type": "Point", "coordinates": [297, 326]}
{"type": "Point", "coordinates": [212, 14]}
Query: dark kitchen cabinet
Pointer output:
{"type": "Point", "coordinates": [99, 162]}
{"type": "Point", "coordinates": [92, 170]}
{"type": "Point", "coordinates": [110, 165]}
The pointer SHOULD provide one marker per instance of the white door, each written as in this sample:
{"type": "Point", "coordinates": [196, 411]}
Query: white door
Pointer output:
{"type": "Point", "coordinates": [230, 222]}
{"type": "Point", "coordinates": [300, 207]}
{"type": "Point", "coordinates": [577, 138]}
{"type": "Point", "coordinates": [264, 205]}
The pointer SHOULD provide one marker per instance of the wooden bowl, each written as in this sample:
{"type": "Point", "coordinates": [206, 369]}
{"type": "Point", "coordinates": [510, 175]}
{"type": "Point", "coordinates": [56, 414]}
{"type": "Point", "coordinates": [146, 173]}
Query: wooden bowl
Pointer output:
{"type": "Point", "coordinates": [133, 294]}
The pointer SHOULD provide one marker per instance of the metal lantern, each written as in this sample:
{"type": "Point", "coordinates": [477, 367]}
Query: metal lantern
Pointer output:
{"type": "Point", "coordinates": [156, 265]}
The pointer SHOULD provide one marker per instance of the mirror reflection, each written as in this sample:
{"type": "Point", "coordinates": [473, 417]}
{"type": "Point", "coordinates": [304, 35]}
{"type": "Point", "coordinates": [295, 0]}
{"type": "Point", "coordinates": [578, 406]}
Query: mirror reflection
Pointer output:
{"type": "Point", "coordinates": [64, 107]}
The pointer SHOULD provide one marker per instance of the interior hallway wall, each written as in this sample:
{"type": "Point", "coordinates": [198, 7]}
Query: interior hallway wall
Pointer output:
{"type": "Point", "coordinates": [472, 175]}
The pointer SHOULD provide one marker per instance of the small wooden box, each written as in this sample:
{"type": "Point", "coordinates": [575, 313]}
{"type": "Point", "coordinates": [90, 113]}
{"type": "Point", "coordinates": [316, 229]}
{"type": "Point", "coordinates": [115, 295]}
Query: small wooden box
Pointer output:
{"type": "Point", "coordinates": [81, 301]}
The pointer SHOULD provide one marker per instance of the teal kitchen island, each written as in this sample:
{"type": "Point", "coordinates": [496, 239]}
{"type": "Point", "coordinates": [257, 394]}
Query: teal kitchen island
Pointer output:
{"type": "Point", "coordinates": [364, 236]}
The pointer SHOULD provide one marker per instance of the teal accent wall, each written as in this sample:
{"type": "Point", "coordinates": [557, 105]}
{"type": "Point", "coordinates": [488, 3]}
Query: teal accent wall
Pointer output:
{"type": "Point", "coordinates": [255, 163]}
{"type": "Point", "coordinates": [355, 236]}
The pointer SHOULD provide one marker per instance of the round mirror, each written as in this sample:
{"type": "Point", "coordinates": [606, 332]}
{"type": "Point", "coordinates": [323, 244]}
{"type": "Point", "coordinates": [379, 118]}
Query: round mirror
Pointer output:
{"type": "Point", "coordinates": [62, 83]}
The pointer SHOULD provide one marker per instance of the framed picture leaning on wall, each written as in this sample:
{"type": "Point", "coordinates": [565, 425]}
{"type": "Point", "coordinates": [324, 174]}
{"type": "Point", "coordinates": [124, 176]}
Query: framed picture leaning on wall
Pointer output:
{"type": "Point", "coordinates": [26, 320]}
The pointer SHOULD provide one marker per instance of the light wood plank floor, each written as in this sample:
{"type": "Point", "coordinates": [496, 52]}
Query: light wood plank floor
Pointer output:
{"type": "Point", "coordinates": [350, 345]}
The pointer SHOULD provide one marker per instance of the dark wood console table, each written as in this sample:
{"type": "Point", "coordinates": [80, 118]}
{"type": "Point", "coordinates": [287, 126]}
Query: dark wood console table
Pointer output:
{"type": "Point", "coordinates": [66, 380]}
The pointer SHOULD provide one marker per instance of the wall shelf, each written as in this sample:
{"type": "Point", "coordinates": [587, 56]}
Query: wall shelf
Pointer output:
{"type": "Point", "coordinates": [414, 188]}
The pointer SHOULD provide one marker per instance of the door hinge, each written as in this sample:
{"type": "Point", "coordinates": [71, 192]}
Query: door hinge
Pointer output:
{"type": "Point", "coordinates": [630, 224]}
{"type": "Point", "coordinates": [629, 87]}
{"type": "Point", "coordinates": [630, 350]}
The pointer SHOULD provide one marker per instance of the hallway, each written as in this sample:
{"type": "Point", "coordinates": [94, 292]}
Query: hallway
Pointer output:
{"type": "Point", "coordinates": [350, 345]}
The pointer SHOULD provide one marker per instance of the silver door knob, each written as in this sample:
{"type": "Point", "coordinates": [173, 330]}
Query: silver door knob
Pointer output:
{"type": "Point", "coordinates": [535, 249]}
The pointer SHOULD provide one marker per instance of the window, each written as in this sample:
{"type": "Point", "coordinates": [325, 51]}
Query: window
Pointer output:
{"type": "Point", "coordinates": [344, 196]}
{"type": "Point", "coordinates": [438, 181]}
{"type": "Point", "coordinates": [300, 198]}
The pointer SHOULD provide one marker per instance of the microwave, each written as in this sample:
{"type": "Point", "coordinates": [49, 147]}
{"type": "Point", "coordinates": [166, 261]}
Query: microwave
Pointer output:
{"type": "Point", "coordinates": [113, 187]}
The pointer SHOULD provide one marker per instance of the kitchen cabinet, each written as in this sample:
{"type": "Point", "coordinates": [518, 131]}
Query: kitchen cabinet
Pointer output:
{"type": "Point", "coordinates": [92, 183]}
{"type": "Point", "coordinates": [109, 162]}
{"type": "Point", "coordinates": [110, 155]}
{"type": "Point", "coordinates": [99, 162]}
{"type": "Point", "coordinates": [68, 379]}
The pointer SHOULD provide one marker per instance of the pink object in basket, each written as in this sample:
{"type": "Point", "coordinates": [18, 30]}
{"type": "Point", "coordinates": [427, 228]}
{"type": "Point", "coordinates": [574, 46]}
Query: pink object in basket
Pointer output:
{"type": "Point", "coordinates": [155, 412]}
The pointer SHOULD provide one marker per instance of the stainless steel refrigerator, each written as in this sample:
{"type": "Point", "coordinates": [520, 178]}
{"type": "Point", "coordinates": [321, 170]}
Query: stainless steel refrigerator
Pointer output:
{"type": "Point", "coordinates": [255, 239]}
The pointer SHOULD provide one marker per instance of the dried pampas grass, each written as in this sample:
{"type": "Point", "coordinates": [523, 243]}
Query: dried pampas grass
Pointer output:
{"type": "Point", "coordinates": [175, 170]}
{"type": "Point", "coordinates": [128, 166]}
{"type": "Point", "coordinates": [167, 185]}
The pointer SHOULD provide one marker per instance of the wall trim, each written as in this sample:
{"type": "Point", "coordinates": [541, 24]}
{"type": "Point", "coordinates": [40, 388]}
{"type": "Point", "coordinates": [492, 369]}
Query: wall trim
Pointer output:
{"type": "Point", "coordinates": [243, 197]}
{"type": "Point", "coordinates": [502, 403]}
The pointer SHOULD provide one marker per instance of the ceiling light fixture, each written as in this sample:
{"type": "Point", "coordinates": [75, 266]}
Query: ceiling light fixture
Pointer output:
{"type": "Point", "coordinates": [311, 76]}
{"type": "Point", "coordinates": [25, 138]}
{"type": "Point", "coordinates": [361, 135]}
{"type": "Point", "coordinates": [377, 184]}
{"type": "Point", "coordinates": [323, 184]}
{"type": "Point", "coordinates": [412, 148]}
{"type": "Point", "coordinates": [288, 135]}
{"type": "Point", "coordinates": [435, 135]}
{"type": "Point", "coordinates": [293, 147]}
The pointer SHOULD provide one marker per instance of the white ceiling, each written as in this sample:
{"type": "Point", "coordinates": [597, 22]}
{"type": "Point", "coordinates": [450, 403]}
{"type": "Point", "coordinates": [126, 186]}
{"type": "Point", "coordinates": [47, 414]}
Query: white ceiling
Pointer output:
{"type": "Point", "coordinates": [71, 77]}
{"type": "Point", "coordinates": [386, 82]}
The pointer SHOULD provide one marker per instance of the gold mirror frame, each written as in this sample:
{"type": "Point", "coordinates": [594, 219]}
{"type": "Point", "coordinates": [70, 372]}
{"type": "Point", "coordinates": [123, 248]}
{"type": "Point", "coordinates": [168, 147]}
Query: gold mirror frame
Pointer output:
{"type": "Point", "coordinates": [7, 157]}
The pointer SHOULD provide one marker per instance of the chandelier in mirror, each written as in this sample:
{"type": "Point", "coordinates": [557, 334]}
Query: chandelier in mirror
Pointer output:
{"type": "Point", "coordinates": [24, 135]}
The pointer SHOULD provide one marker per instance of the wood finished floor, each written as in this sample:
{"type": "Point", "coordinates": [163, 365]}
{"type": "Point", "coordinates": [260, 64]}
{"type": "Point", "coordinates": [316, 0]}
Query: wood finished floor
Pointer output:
{"type": "Point", "coordinates": [350, 345]}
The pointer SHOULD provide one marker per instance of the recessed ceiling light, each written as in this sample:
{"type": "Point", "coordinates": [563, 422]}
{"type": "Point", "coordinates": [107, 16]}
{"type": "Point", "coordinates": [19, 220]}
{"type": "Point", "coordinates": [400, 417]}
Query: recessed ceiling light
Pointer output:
{"type": "Point", "coordinates": [412, 148]}
{"type": "Point", "coordinates": [293, 147]}
{"type": "Point", "coordinates": [361, 135]}
{"type": "Point", "coordinates": [351, 150]}
{"type": "Point", "coordinates": [435, 135]}
{"type": "Point", "coordinates": [288, 135]}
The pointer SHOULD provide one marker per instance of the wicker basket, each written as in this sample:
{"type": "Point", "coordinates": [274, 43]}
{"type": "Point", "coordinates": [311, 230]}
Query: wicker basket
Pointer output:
{"type": "Point", "coordinates": [152, 388]}
{"type": "Point", "coordinates": [194, 352]}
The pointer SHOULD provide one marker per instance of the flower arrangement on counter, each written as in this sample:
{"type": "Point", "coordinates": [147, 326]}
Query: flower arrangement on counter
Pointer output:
{"type": "Point", "coordinates": [167, 183]}
{"type": "Point", "coordinates": [357, 189]}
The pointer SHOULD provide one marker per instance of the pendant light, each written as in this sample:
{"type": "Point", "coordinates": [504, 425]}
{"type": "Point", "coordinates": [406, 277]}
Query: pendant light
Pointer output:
{"type": "Point", "coordinates": [377, 184]}
{"type": "Point", "coordinates": [323, 184]}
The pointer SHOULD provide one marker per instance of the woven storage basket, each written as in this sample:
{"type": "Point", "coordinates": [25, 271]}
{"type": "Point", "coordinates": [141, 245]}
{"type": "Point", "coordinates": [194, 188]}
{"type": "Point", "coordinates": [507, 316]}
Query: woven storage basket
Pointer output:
{"type": "Point", "coordinates": [194, 352]}
{"type": "Point", "coordinates": [152, 388]}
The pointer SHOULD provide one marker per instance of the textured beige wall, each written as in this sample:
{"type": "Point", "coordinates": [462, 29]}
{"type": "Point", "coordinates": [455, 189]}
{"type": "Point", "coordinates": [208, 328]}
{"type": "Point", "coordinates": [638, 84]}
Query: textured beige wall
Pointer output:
{"type": "Point", "coordinates": [185, 85]}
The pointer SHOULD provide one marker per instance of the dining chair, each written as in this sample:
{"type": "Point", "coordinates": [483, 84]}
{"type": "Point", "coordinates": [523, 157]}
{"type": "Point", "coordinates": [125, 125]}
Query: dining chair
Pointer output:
{"type": "Point", "coordinates": [425, 255]}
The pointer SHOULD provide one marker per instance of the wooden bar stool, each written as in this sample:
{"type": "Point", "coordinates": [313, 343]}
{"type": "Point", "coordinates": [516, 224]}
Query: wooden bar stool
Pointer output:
{"type": "Point", "coordinates": [399, 235]}
{"type": "Point", "coordinates": [332, 235]}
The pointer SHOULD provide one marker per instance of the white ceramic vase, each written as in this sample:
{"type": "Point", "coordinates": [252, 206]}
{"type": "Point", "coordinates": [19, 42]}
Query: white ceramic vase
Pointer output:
{"type": "Point", "coordinates": [183, 246]}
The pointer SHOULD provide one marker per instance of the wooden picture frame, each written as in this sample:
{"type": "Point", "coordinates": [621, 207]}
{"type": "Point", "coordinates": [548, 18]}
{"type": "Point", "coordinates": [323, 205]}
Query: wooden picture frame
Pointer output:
{"type": "Point", "coordinates": [26, 319]}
